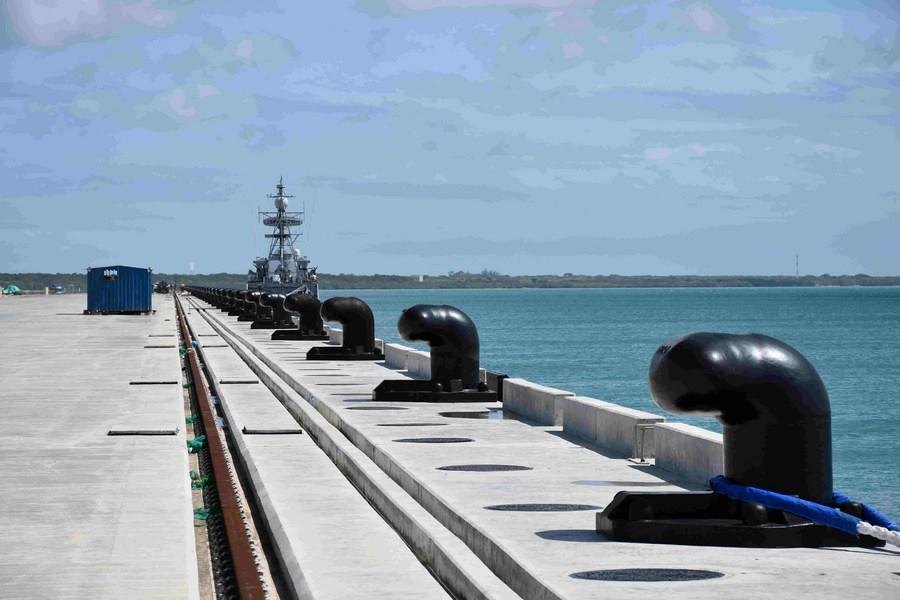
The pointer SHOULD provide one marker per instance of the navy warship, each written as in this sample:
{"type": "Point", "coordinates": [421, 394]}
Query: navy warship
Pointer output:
{"type": "Point", "coordinates": [284, 270]}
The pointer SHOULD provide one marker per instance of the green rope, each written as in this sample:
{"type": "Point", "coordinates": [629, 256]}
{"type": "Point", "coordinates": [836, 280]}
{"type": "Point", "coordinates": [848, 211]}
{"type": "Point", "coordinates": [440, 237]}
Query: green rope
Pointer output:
{"type": "Point", "coordinates": [191, 419]}
{"type": "Point", "coordinates": [188, 384]}
{"type": "Point", "coordinates": [197, 482]}
{"type": "Point", "coordinates": [196, 444]}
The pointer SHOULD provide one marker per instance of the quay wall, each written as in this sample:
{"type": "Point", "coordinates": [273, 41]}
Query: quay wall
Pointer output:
{"type": "Point", "coordinates": [688, 452]}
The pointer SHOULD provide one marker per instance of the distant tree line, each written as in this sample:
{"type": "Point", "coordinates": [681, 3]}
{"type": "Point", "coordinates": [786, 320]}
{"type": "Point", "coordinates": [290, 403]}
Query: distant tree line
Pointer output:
{"type": "Point", "coordinates": [74, 282]}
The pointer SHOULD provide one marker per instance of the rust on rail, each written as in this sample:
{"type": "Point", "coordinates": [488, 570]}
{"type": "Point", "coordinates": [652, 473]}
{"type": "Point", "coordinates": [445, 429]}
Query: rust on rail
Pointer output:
{"type": "Point", "coordinates": [245, 571]}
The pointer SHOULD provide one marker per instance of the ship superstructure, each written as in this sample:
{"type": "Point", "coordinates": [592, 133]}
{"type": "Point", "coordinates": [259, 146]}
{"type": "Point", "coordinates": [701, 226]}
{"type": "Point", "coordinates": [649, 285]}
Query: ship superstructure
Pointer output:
{"type": "Point", "coordinates": [284, 269]}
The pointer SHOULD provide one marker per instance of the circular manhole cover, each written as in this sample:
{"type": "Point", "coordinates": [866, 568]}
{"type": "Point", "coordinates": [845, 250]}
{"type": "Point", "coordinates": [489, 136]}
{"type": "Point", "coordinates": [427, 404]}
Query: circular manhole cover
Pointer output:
{"type": "Point", "coordinates": [435, 440]}
{"type": "Point", "coordinates": [621, 483]}
{"type": "Point", "coordinates": [483, 468]}
{"type": "Point", "coordinates": [377, 408]}
{"type": "Point", "coordinates": [542, 507]}
{"type": "Point", "coordinates": [411, 424]}
{"type": "Point", "coordinates": [647, 575]}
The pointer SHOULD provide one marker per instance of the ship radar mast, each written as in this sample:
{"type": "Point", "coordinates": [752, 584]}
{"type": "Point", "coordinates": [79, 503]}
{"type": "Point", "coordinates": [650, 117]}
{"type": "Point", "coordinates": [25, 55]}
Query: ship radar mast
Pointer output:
{"type": "Point", "coordinates": [284, 266]}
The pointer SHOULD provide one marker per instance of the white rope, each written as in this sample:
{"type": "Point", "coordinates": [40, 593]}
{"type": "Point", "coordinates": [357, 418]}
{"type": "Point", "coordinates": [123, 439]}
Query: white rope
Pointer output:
{"type": "Point", "coordinates": [881, 533]}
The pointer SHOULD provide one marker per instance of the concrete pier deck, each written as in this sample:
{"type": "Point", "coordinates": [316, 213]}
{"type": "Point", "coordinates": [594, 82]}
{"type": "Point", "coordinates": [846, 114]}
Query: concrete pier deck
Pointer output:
{"type": "Point", "coordinates": [330, 541]}
{"type": "Point", "coordinates": [539, 553]}
{"type": "Point", "coordinates": [86, 514]}
{"type": "Point", "coordinates": [386, 499]}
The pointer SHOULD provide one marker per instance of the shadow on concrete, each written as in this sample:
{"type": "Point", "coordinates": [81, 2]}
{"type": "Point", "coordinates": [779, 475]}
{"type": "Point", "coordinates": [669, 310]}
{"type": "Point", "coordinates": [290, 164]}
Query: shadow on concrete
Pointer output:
{"type": "Point", "coordinates": [571, 535]}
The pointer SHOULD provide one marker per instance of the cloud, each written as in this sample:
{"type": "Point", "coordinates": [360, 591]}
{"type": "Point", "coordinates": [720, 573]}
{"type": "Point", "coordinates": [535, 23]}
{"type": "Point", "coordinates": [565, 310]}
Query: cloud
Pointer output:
{"type": "Point", "coordinates": [704, 19]}
{"type": "Point", "coordinates": [177, 101]}
{"type": "Point", "coordinates": [244, 49]}
{"type": "Point", "coordinates": [658, 153]}
{"type": "Point", "coordinates": [438, 189]}
{"type": "Point", "coordinates": [53, 22]}
{"type": "Point", "coordinates": [417, 5]}
{"type": "Point", "coordinates": [572, 50]}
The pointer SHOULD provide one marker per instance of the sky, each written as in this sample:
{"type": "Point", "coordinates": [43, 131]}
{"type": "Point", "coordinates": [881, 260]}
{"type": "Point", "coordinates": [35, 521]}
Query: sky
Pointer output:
{"type": "Point", "coordinates": [427, 136]}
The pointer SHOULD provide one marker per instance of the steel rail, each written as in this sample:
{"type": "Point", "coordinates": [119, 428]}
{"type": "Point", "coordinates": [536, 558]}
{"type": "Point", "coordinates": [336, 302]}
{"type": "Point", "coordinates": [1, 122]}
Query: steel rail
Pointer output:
{"type": "Point", "coordinates": [246, 575]}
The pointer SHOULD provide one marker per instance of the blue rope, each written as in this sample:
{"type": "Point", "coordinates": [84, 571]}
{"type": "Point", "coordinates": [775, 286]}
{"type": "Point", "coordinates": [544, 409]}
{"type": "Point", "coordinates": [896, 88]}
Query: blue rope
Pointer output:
{"type": "Point", "coordinates": [869, 514]}
{"type": "Point", "coordinates": [818, 513]}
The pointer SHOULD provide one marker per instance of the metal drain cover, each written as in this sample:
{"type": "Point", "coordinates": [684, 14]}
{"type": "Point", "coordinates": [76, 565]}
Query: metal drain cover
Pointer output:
{"type": "Point", "coordinates": [436, 440]}
{"type": "Point", "coordinates": [647, 575]}
{"type": "Point", "coordinates": [542, 507]}
{"type": "Point", "coordinates": [622, 483]}
{"type": "Point", "coordinates": [377, 408]}
{"type": "Point", "coordinates": [411, 424]}
{"type": "Point", "coordinates": [484, 468]}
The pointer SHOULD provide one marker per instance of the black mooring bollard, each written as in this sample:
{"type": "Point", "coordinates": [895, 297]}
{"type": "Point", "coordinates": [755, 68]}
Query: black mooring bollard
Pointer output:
{"type": "Point", "coordinates": [248, 310]}
{"type": "Point", "coordinates": [310, 326]}
{"type": "Point", "coordinates": [453, 341]}
{"type": "Point", "coordinates": [273, 314]}
{"type": "Point", "coordinates": [776, 422]}
{"type": "Point", "coordinates": [358, 325]}
{"type": "Point", "coordinates": [774, 410]}
{"type": "Point", "coordinates": [235, 303]}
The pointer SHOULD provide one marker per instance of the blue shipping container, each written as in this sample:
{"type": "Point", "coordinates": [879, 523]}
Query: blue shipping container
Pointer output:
{"type": "Point", "coordinates": [119, 289]}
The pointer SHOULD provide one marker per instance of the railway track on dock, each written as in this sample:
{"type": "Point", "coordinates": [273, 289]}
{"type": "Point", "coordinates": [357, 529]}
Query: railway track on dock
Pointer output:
{"type": "Point", "coordinates": [242, 555]}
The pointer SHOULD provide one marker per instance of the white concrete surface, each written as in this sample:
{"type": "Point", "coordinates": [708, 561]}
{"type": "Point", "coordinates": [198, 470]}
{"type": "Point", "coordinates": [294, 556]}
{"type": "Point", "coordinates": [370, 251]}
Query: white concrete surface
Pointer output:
{"type": "Point", "coordinates": [689, 452]}
{"type": "Point", "coordinates": [536, 553]}
{"type": "Point", "coordinates": [335, 336]}
{"type": "Point", "coordinates": [84, 514]}
{"type": "Point", "coordinates": [418, 364]}
{"type": "Point", "coordinates": [616, 428]}
{"type": "Point", "coordinates": [332, 543]}
{"type": "Point", "coordinates": [447, 556]}
{"type": "Point", "coordinates": [395, 356]}
{"type": "Point", "coordinates": [533, 401]}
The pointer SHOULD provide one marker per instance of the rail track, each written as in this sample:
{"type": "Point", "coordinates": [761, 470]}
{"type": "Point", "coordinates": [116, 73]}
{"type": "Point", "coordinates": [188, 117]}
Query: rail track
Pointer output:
{"type": "Point", "coordinates": [240, 576]}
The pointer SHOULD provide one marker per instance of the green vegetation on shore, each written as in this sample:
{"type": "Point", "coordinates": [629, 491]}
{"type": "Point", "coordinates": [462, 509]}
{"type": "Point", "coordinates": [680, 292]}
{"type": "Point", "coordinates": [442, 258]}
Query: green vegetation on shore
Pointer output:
{"type": "Point", "coordinates": [486, 279]}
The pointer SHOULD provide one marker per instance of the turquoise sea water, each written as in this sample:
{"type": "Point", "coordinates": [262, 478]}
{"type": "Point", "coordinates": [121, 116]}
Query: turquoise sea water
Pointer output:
{"type": "Point", "coordinates": [598, 343]}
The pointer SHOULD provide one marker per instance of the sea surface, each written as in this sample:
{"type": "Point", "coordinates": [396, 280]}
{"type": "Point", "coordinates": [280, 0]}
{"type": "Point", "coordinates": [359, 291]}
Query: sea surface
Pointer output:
{"type": "Point", "coordinates": [598, 343]}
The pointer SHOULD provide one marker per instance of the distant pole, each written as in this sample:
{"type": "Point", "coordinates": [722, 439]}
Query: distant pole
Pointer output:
{"type": "Point", "coordinates": [797, 264]}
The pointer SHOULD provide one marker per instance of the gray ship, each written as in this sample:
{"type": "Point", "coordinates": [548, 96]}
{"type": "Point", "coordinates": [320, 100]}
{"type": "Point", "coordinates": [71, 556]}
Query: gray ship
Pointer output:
{"type": "Point", "coordinates": [285, 269]}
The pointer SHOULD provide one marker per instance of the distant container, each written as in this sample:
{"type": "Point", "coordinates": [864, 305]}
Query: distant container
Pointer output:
{"type": "Point", "coordinates": [119, 290]}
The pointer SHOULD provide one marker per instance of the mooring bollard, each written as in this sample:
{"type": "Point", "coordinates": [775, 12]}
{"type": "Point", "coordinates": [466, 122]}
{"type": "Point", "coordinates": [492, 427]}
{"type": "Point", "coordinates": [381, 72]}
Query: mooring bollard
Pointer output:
{"type": "Point", "coordinates": [771, 402]}
{"type": "Point", "coordinates": [310, 326]}
{"type": "Point", "coordinates": [358, 324]}
{"type": "Point", "coordinates": [273, 315]}
{"type": "Point", "coordinates": [248, 310]}
{"type": "Point", "coordinates": [776, 421]}
{"type": "Point", "coordinates": [453, 341]}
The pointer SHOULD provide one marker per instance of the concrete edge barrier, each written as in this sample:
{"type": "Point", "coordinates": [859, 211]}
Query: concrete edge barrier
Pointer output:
{"type": "Point", "coordinates": [418, 364]}
{"type": "Point", "coordinates": [335, 336]}
{"type": "Point", "coordinates": [535, 402]}
{"type": "Point", "coordinates": [625, 431]}
{"type": "Point", "coordinates": [395, 356]}
{"type": "Point", "coordinates": [688, 451]}
{"type": "Point", "coordinates": [447, 553]}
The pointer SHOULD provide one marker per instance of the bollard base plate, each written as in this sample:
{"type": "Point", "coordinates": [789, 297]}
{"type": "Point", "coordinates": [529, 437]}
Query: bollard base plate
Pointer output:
{"type": "Point", "coordinates": [270, 325]}
{"type": "Point", "coordinates": [709, 519]}
{"type": "Point", "coordinates": [406, 390]}
{"type": "Point", "coordinates": [296, 334]}
{"type": "Point", "coordinates": [342, 353]}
